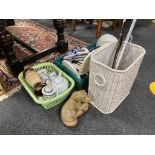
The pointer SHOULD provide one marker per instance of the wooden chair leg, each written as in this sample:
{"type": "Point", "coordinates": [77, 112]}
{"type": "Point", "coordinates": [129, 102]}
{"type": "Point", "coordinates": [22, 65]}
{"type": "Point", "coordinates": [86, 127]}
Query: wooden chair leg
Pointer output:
{"type": "Point", "coordinates": [114, 24]}
{"type": "Point", "coordinates": [120, 22]}
{"type": "Point", "coordinates": [98, 28]}
{"type": "Point", "coordinates": [74, 24]}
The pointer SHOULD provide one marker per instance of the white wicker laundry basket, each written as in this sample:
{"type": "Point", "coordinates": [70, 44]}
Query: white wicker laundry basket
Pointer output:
{"type": "Point", "coordinates": [109, 87]}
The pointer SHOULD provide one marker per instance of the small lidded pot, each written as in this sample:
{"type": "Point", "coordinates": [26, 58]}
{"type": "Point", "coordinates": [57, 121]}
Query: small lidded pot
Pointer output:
{"type": "Point", "coordinates": [48, 91]}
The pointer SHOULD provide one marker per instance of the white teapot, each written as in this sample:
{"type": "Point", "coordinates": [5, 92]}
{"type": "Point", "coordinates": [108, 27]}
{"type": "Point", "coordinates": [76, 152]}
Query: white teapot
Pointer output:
{"type": "Point", "coordinates": [60, 83]}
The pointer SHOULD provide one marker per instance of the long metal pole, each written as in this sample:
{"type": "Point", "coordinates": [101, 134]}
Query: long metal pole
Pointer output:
{"type": "Point", "coordinates": [119, 44]}
{"type": "Point", "coordinates": [125, 43]}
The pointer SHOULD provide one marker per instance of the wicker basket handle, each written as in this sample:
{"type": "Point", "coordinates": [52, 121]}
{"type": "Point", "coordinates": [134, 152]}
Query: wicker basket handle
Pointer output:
{"type": "Point", "coordinates": [101, 84]}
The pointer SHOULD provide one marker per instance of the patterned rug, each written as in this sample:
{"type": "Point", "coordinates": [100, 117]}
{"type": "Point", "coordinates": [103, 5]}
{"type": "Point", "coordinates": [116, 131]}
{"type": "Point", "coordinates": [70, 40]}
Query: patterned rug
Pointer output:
{"type": "Point", "coordinates": [38, 37]}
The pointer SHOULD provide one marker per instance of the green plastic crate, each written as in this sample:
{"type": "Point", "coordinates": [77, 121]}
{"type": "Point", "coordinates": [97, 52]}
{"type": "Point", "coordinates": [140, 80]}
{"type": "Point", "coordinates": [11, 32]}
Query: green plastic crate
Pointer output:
{"type": "Point", "coordinates": [49, 103]}
{"type": "Point", "coordinates": [80, 83]}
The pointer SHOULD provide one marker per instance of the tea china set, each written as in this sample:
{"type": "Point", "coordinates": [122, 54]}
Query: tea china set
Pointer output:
{"type": "Point", "coordinates": [55, 84]}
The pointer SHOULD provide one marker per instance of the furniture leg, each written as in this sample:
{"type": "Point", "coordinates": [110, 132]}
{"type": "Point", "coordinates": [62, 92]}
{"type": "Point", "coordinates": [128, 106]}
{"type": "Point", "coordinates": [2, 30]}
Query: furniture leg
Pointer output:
{"type": "Point", "coordinates": [99, 28]}
{"type": "Point", "coordinates": [74, 24]}
{"type": "Point", "coordinates": [60, 25]}
{"type": "Point", "coordinates": [120, 22]}
{"type": "Point", "coordinates": [6, 43]}
{"type": "Point", "coordinates": [114, 24]}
